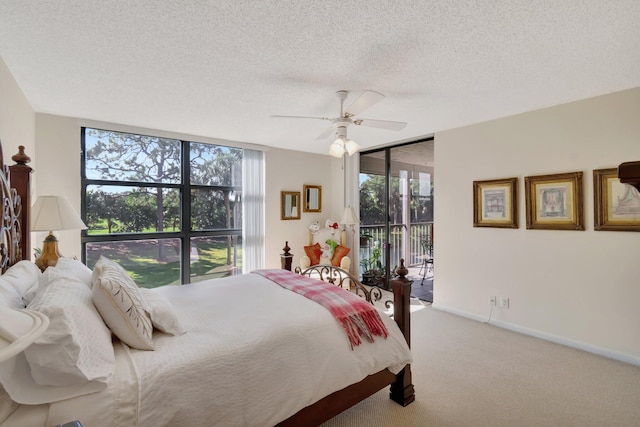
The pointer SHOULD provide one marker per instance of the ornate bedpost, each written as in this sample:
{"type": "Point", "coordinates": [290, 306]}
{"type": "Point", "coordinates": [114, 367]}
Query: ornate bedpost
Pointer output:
{"type": "Point", "coordinates": [402, 390]}
{"type": "Point", "coordinates": [286, 257]}
{"type": "Point", "coordinates": [21, 181]}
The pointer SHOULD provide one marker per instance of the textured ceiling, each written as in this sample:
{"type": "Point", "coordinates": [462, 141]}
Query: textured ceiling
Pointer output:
{"type": "Point", "coordinates": [221, 68]}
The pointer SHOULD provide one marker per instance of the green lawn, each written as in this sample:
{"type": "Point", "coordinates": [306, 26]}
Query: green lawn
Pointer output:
{"type": "Point", "coordinates": [142, 262]}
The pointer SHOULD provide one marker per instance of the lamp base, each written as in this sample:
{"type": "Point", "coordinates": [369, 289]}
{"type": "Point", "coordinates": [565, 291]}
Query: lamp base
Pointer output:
{"type": "Point", "coordinates": [50, 254]}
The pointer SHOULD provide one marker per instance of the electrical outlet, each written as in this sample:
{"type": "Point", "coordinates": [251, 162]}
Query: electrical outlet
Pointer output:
{"type": "Point", "coordinates": [504, 302]}
{"type": "Point", "coordinates": [492, 301]}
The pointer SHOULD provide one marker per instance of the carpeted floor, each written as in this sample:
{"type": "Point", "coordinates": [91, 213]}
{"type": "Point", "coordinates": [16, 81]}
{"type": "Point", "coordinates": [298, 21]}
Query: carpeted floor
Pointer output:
{"type": "Point", "coordinates": [469, 373]}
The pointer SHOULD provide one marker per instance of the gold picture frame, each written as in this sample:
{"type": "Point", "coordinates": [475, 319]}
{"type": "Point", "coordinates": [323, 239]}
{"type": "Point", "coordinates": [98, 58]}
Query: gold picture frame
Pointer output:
{"type": "Point", "coordinates": [554, 202]}
{"type": "Point", "coordinates": [616, 205]}
{"type": "Point", "coordinates": [495, 203]}
{"type": "Point", "coordinates": [312, 198]}
{"type": "Point", "coordinates": [289, 205]}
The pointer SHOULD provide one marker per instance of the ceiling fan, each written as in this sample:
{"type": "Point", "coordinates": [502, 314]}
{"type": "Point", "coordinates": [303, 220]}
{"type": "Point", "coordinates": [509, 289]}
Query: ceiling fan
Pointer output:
{"type": "Point", "coordinates": [346, 118]}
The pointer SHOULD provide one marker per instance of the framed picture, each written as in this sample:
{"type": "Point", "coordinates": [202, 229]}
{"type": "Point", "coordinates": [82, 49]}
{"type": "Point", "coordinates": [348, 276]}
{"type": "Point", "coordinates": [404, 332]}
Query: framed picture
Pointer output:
{"type": "Point", "coordinates": [554, 202]}
{"type": "Point", "coordinates": [616, 205]}
{"type": "Point", "coordinates": [312, 195]}
{"type": "Point", "coordinates": [289, 205]}
{"type": "Point", "coordinates": [495, 203]}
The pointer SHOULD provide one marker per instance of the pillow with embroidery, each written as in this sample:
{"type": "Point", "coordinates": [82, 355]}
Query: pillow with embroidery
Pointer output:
{"type": "Point", "coordinates": [121, 305]}
{"type": "Point", "coordinates": [313, 252]}
{"type": "Point", "coordinates": [339, 253]}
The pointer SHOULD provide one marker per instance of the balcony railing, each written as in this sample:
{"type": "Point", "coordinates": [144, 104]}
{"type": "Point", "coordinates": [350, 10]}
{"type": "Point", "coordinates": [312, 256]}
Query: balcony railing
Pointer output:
{"type": "Point", "coordinates": [373, 235]}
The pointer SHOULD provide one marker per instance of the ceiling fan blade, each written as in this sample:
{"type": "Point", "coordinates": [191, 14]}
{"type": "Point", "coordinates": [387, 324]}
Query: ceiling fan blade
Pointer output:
{"type": "Point", "coordinates": [299, 117]}
{"type": "Point", "coordinates": [364, 101]}
{"type": "Point", "coordinates": [381, 124]}
{"type": "Point", "coordinates": [326, 133]}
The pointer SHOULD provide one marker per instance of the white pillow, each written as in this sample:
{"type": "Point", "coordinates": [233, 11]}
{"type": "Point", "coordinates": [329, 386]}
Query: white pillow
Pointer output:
{"type": "Point", "coordinates": [15, 283]}
{"type": "Point", "coordinates": [163, 315]}
{"type": "Point", "coordinates": [66, 268]}
{"type": "Point", "coordinates": [121, 305]}
{"type": "Point", "coordinates": [16, 379]}
{"type": "Point", "coordinates": [69, 267]}
{"type": "Point", "coordinates": [77, 347]}
{"type": "Point", "coordinates": [9, 296]}
{"type": "Point", "coordinates": [22, 276]}
{"type": "Point", "coordinates": [75, 329]}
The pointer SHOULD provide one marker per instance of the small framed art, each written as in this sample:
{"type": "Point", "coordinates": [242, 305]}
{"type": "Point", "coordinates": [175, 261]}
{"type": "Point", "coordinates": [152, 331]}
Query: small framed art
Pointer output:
{"type": "Point", "coordinates": [289, 205]}
{"type": "Point", "coordinates": [616, 205]}
{"type": "Point", "coordinates": [312, 198]}
{"type": "Point", "coordinates": [495, 203]}
{"type": "Point", "coordinates": [554, 202]}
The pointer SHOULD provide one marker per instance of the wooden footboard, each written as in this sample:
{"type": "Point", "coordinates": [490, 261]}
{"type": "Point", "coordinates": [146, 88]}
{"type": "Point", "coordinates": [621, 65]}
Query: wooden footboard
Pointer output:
{"type": "Point", "coordinates": [402, 390]}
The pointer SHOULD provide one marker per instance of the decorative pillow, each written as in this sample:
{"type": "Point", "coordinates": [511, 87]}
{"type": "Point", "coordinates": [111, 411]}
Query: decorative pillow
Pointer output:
{"type": "Point", "coordinates": [163, 315]}
{"type": "Point", "coordinates": [76, 347]}
{"type": "Point", "coordinates": [121, 305]}
{"type": "Point", "coordinates": [313, 252]}
{"type": "Point", "coordinates": [339, 253]}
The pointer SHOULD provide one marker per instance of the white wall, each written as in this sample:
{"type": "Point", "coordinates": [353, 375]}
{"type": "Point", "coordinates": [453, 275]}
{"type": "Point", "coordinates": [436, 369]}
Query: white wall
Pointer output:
{"type": "Point", "coordinates": [288, 170]}
{"type": "Point", "coordinates": [576, 287]}
{"type": "Point", "coordinates": [17, 119]}
{"type": "Point", "coordinates": [58, 172]}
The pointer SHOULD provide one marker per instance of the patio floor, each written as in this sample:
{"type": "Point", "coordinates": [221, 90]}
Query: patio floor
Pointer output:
{"type": "Point", "coordinates": [422, 289]}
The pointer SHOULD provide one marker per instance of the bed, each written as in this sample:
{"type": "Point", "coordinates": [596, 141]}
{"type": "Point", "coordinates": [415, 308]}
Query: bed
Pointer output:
{"type": "Point", "coordinates": [240, 351]}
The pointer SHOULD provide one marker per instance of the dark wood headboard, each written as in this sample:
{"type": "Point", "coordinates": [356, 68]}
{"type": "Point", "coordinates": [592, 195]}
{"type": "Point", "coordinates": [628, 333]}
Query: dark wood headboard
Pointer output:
{"type": "Point", "coordinates": [15, 190]}
{"type": "Point", "coordinates": [629, 173]}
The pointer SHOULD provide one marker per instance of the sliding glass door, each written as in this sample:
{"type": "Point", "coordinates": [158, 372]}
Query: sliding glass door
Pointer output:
{"type": "Point", "coordinates": [396, 208]}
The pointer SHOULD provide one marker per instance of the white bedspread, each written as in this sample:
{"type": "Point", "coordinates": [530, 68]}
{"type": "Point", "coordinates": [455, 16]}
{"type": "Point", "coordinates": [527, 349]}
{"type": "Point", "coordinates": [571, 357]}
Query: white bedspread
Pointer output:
{"type": "Point", "coordinates": [254, 354]}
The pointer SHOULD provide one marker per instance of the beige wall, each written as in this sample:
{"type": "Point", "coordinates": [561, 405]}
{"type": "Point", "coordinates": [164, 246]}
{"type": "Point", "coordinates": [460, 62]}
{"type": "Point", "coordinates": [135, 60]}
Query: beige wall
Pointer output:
{"type": "Point", "coordinates": [16, 116]}
{"type": "Point", "coordinates": [58, 173]}
{"type": "Point", "coordinates": [17, 119]}
{"type": "Point", "coordinates": [58, 141]}
{"type": "Point", "coordinates": [576, 287]}
{"type": "Point", "coordinates": [288, 170]}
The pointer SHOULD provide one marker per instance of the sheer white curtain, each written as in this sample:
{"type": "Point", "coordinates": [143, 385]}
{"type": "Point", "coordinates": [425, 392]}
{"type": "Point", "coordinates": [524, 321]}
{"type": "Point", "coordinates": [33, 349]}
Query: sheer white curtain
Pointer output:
{"type": "Point", "coordinates": [253, 215]}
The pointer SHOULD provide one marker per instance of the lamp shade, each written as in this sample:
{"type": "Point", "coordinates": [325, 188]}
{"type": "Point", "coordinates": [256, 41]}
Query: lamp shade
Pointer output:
{"type": "Point", "coordinates": [351, 147]}
{"type": "Point", "coordinates": [19, 329]}
{"type": "Point", "coordinates": [341, 146]}
{"type": "Point", "coordinates": [51, 213]}
{"type": "Point", "coordinates": [349, 216]}
{"type": "Point", "coordinates": [336, 149]}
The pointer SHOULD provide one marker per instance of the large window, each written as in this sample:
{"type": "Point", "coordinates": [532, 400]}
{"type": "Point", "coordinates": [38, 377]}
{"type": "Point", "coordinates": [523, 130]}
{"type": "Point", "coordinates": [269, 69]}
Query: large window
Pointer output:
{"type": "Point", "coordinates": [168, 211]}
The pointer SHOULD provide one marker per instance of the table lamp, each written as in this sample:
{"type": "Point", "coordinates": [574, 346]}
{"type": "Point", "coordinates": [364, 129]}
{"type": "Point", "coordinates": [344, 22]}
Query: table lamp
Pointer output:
{"type": "Point", "coordinates": [349, 218]}
{"type": "Point", "coordinates": [53, 213]}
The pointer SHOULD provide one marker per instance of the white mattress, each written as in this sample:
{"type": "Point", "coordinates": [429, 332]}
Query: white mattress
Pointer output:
{"type": "Point", "coordinates": [254, 354]}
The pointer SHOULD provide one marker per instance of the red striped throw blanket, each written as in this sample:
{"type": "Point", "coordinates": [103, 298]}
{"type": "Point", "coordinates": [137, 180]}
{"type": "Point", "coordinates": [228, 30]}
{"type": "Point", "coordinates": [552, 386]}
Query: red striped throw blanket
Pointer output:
{"type": "Point", "coordinates": [357, 317]}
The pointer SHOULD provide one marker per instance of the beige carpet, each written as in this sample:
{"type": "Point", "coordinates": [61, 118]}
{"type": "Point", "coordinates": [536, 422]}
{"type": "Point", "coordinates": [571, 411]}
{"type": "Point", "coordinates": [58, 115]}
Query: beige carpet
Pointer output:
{"type": "Point", "coordinates": [468, 373]}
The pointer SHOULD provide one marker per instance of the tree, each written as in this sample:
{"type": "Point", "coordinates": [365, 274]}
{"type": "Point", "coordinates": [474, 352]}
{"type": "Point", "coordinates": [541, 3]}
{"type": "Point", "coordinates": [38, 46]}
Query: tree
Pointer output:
{"type": "Point", "coordinates": [134, 159]}
{"type": "Point", "coordinates": [129, 157]}
{"type": "Point", "coordinates": [215, 165]}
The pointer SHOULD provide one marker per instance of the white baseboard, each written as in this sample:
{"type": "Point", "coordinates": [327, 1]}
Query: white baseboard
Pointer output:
{"type": "Point", "coordinates": [623, 357]}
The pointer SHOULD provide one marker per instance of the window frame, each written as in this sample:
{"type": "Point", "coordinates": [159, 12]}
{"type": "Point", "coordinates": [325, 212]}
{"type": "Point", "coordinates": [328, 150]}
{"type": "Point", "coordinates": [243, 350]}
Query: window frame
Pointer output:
{"type": "Point", "coordinates": [184, 187]}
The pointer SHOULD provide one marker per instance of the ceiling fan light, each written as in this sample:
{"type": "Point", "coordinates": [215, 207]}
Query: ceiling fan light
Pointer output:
{"type": "Point", "coordinates": [351, 147]}
{"type": "Point", "coordinates": [336, 149]}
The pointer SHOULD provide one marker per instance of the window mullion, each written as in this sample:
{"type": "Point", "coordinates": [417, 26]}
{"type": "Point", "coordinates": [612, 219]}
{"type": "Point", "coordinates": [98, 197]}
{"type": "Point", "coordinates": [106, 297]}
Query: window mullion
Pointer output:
{"type": "Point", "coordinates": [185, 214]}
